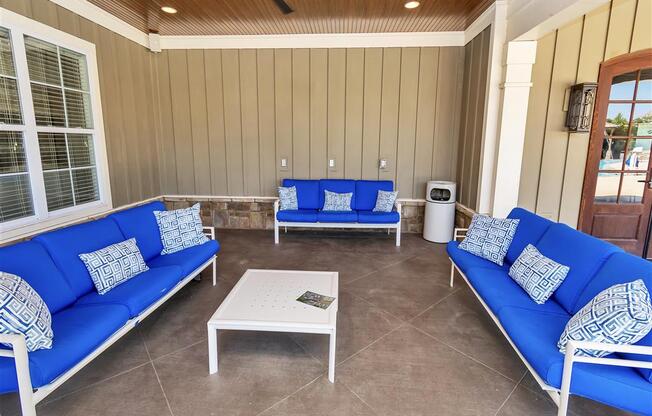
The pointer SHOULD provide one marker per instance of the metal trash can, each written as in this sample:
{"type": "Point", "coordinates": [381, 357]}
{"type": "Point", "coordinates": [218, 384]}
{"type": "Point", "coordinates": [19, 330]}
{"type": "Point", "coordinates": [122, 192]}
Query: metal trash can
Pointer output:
{"type": "Point", "coordinates": [439, 220]}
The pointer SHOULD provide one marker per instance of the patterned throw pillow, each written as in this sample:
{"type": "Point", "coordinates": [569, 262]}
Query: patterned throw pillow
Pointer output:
{"type": "Point", "coordinates": [22, 311]}
{"type": "Point", "coordinates": [538, 275]}
{"type": "Point", "coordinates": [114, 264]}
{"type": "Point", "coordinates": [489, 238]}
{"type": "Point", "coordinates": [385, 201]}
{"type": "Point", "coordinates": [288, 197]}
{"type": "Point", "coordinates": [334, 201]}
{"type": "Point", "coordinates": [621, 314]}
{"type": "Point", "coordinates": [180, 229]}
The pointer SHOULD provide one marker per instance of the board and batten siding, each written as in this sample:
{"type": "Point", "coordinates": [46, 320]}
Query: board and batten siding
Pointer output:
{"type": "Point", "coordinates": [128, 103]}
{"type": "Point", "coordinates": [472, 119]}
{"type": "Point", "coordinates": [552, 172]}
{"type": "Point", "coordinates": [228, 117]}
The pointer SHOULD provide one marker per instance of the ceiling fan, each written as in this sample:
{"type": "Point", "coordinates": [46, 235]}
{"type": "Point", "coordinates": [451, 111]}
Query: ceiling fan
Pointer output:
{"type": "Point", "coordinates": [283, 6]}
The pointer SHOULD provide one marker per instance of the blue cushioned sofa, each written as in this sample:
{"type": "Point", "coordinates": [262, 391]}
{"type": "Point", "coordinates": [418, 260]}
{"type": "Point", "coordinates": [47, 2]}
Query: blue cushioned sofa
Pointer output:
{"type": "Point", "coordinates": [621, 379]}
{"type": "Point", "coordinates": [84, 322]}
{"type": "Point", "coordinates": [310, 195]}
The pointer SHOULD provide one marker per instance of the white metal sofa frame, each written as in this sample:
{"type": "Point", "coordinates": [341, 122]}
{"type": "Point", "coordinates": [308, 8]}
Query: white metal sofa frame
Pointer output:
{"type": "Point", "coordinates": [561, 396]}
{"type": "Point", "coordinates": [289, 224]}
{"type": "Point", "coordinates": [30, 397]}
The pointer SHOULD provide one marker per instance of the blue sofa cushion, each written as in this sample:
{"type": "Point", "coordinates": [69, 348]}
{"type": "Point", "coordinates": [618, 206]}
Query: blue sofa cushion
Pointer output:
{"type": "Point", "coordinates": [366, 193]}
{"type": "Point", "coordinates": [582, 253]}
{"type": "Point", "coordinates": [339, 186]}
{"type": "Point", "coordinates": [465, 260]}
{"type": "Point", "coordinates": [66, 244]}
{"type": "Point", "coordinates": [307, 192]}
{"type": "Point", "coordinates": [138, 292]}
{"type": "Point", "coordinates": [140, 223]}
{"type": "Point", "coordinates": [188, 259]}
{"type": "Point", "coordinates": [371, 217]}
{"type": "Point", "coordinates": [78, 331]}
{"type": "Point", "coordinates": [299, 215]}
{"type": "Point", "coordinates": [40, 272]}
{"type": "Point", "coordinates": [535, 334]}
{"type": "Point", "coordinates": [530, 229]}
{"type": "Point", "coordinates": [337, 216]}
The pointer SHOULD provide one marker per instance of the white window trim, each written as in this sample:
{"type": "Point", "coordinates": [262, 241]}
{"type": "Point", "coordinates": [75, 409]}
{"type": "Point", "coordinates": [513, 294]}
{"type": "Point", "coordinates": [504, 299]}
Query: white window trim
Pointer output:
{"type": "Point", "coordinates": [19, 26]}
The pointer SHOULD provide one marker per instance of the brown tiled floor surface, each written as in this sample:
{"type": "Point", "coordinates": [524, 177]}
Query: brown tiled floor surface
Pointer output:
{"type": "Point", "coordinates": [407, 344]}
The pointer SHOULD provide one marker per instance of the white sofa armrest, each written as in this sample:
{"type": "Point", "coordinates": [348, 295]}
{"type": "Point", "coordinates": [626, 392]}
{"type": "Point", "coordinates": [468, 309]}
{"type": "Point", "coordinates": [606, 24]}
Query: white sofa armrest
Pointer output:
{"type": "Point", "coordinates": [398, 207]}
{"type": "Point", "coordinates": [209, 231]}
{"type": "Point", "coordinates": [459, 233]}
{"type": "Point", "coordinates": [18, 352]}
{"type": "Point", "coordinates": [277, 204]}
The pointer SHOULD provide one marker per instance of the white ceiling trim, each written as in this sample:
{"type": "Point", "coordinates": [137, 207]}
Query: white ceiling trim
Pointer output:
{"type": "Point", "coordinates": [481, 23]}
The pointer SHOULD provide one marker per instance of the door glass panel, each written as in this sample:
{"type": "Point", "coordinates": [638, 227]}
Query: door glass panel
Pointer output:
{"type": "Point", "coordinates": [617, 123]}
{"type": "Point", "coordinates": [642, 121]}
{"type": "Point", "coordinates": [613, 151]}
{"type": "Point", "coordinates": [633, 186]}
{"type": "Point", "coordinates": [638, 154]}
{"type": "Point", "coordinates": [645, 85]}
{"type": "Point", "coordinates": [622, 87]}
{"type": "Point", "coordinates": [606, 188]}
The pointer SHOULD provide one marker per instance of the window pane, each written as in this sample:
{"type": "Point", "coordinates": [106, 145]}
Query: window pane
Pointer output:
{"type": "Point", "coordinates": [622, 87]}
{"type": "Point", "coordinates": [10, 111]}
{"type": "Point", "coordinates": [85, 184]}
{"type": "Point", "coordinates": [638, 154]}
{"type": "Point", "coordinates": [81, 150]}
{"type": "Point", "coordinates": [48, 106]}
{"type": "Point", "coordinates": [54, 154]}
{"type": "Point", "coordinates": [612, 154]}
{"type": "Point", "coordinates": [58, 189]}
{"type": "Point", "coordinates": [15, 197]}
{"type": "Point", "coordinates": [618, 119]}
{"type": "Point", "coordinates": [12, 153]}
{"type": "Point", "coordinates": [74, 70]}
{"type": "Point", "coordinates": [6, 54]}
{"type": "Point", "coordinates": [642, 121]}
{"type": "Point", "coordinates": [78, 107]}
{"type": "Point", "coordinates": [632, 192]}
{"type": "Point", "coordinates": [42, 61]}
{"type": "Point", "coordinates": [606, 189]}
{"type": "Point", "coordinates": [645, 85]}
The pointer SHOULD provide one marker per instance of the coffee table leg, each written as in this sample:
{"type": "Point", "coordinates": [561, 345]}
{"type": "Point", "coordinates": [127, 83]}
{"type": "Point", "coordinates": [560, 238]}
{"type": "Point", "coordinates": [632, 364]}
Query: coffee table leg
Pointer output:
{"type": "Point", "coordinates": [331, 357]}
{"type": "Point", "coordinates": [212, 350]}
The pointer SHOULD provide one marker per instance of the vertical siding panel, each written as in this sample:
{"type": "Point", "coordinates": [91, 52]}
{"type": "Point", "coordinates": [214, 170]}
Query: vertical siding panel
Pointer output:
{"type": "Point", "coordinates": [407, 121]}
{"type": "Point", "coordinates": [463, 147]}
{"type": "Point", "coordinates": [620, 27]}
{"type": "Point", "coordinates": [283, 100]}
{"type": "Point", "coordinates": [481, 73]}
{"type": "Point", "coordinates": [45, 12]}
{"type": "Point", "coordinates": [215, 111]}
{"type": "Point", "coordinates": [23, 7]}
{"type": "Point", "coordinates": [181, 121]}
{"type": "Point", "coordinates": [145, 142]}
{"type": "Point", "coordinates": [318, 113]}
{"type": "Point", "coordinates": [301, 112]}
{"type": "Point", "coordinates": [354, 109]}
{"type": "Point", "coordinates": [265, 62]}
{"type": "Point", "coordinates": [249, 117]}
{"type": "Point", "coordinates": [336, 110]}
{"type": "Point", "coordinates": [642, 32]}
{"type": "Point", "coordinates": [199, 120]}
{"type": "Point", "coordinates": [232, 121]}
{"type": "Point", "coordinates": [156, 119]}
{"type": "Point", "coordinates": [373, 72]}
{"type": "Point", "coordinates": [389, 111]}
{"type": "Point", "coordinates": [168, 163]}
{"type": "Point", "coordinates": [469, 129]}
{"type": "Point", "coordinates": [68, 21]}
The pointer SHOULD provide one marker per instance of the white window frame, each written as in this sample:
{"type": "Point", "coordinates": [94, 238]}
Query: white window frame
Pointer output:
{"type": "Point", "coordinates": [19, 26]}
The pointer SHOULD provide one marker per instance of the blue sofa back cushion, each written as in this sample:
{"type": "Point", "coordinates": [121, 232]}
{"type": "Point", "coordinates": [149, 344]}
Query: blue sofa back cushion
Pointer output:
{"type": "Point", "coordinates": [582, 253]}
{"type": "Point", "coordinates": [307, 192]}
{"type": "Point", "coordinates": [32, 263]}
{"type": "Point", "coordinates": [529, 231]}
{"type": "Point", "coordinates": [366, 193]}
{"type": "Point", "coordinates": [66, 244]}
{"type": "Point", "coordinates": [336, 185]}
{"type": "Point", "coordinates": [140, 223]}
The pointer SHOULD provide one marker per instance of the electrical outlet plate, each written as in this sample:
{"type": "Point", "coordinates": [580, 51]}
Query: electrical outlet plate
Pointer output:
{"type": "Point", "coordinates": [331, 163]}
{"type": "Point", "coordinates": [382, 164]}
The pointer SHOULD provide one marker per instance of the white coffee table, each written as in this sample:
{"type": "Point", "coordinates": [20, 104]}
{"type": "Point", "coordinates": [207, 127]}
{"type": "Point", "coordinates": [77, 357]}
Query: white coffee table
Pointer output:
{"type": "Point", "coordinates": [265, 300]}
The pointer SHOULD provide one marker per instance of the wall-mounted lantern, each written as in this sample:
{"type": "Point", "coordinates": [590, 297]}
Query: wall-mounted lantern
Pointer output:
{"type": "Point", "coordinates": [580, 107]}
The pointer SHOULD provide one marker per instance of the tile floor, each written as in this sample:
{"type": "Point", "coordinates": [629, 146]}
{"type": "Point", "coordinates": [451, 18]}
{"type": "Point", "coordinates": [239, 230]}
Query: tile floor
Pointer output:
{"type": "Point", "coordinates": [408, 344]}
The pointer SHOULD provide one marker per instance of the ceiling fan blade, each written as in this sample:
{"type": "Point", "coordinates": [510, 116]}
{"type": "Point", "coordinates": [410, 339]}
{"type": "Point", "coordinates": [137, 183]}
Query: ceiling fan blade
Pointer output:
{"type": "Point", "coordinates": [283, 6]}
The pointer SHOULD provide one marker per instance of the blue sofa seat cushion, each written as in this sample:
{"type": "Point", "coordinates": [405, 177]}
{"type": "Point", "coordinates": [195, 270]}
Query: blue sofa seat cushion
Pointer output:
{"type": "Point", "coordinates": [297, 215]}
{"type": "Point", "coordinates": [31, 262]}
{"type": "Point", "coordinates": [66, 244]}
{"type": "Point", "coordinates": [371, 217]}
{"type": "Point", "coordinates": [188, 259]}
{"type": "Point", "coordinates": [339, 186]}
{"type": "Point", "coordinates": [140, 223]}
{"type": "Point", "coordinates": [535, 334]}
{"type": "Point", "coordinates": [529, 231]}
{"type": "Point", "coordinates": [139, 292]}
{"type": "Point", "coordinates": [307, 192]}
{"type": "Point", "coordinates": [366, 193]}
{"type": "Point", "coordinates": [78, 331]}
{"type": "Point", "coordinates": [465, 260]}
{"type": "Point", "coordinates": [337, 216]}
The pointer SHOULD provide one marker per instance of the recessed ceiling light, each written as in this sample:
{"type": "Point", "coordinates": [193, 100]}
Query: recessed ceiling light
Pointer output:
{"type": "Point", "coordinates": [412, 4]}
{"type": "Point", "coordinates": [172, 10]}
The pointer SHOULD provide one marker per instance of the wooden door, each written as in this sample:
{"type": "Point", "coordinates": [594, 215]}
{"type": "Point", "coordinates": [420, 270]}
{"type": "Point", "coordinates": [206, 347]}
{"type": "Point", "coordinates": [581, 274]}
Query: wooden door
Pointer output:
{"type": "Point", "coordinates": [617, 193]}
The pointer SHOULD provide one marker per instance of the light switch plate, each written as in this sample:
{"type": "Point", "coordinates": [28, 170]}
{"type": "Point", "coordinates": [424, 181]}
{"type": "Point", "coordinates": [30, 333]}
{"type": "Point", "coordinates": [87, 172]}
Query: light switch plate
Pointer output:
{"type": "Point", "coordinates": [382, 164]}
{"type": "Point", "coordinates": [284, 162]}
{"type": "Point", "coordinates": [331, 163]}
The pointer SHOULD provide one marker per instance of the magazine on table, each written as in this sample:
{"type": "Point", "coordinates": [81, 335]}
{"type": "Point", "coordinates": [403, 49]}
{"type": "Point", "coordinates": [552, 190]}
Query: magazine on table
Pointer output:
{"type": "Point", "coordinates": [315, 299]}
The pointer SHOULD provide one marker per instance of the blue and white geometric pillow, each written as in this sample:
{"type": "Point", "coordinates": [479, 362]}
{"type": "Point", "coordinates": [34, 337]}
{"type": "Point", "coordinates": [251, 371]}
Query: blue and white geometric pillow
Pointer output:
{"type": "Point", "coordinates": [489, 237]}
{"type": "Point", "coordinates": [385, 201]}
{"type": "Point", "coordinates": [538, 275]}
{"type": "Point", "coordinates": [22, 311]}
{"type": "Point", "coordinates": [621, 314]}
{"type": "Point", "coordinates": [334, 201]}
{"type": "Point", "coordinates": [113, 265]}
{"type": "Point", "coordinates": [288, 198]}
{"type": "Point", "coordinates": [180, 229]}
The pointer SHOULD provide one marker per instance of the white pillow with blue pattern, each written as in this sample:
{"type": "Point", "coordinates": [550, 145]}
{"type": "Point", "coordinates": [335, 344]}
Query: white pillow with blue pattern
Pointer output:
{"type": "Point", "coordinates": [334, 201]}
{"type": "Point", "coordinates": [22, 311]}
{"type": "Point", "coordinates": [287, 196]}
{"type": "Point", "coordinates": [621, 314]}
{"type": "Point", "coordinates": [489, 237]}
{"type": "Point", "coordinates": [180, 229]}
{"type": "Point", "coordinates": [113, 265]}
{"type": "Point", "coordinates": [385, 201]}
{"type": "Point", "coordinates": [538, 275]}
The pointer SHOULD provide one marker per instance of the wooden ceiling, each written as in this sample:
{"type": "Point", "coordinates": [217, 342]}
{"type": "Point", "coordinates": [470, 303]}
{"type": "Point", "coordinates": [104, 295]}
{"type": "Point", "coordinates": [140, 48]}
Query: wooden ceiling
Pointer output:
{"type": "Point", "coordinates": [263, 17]}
